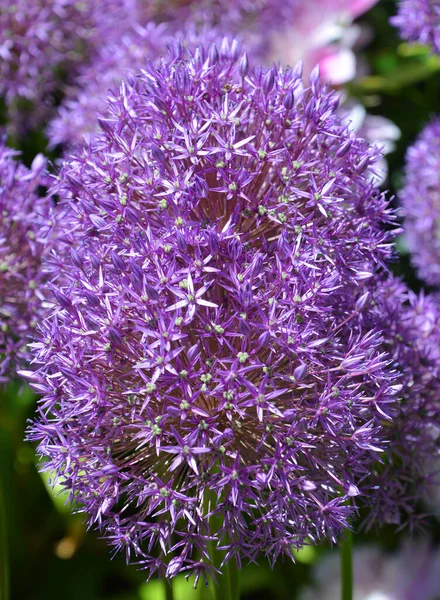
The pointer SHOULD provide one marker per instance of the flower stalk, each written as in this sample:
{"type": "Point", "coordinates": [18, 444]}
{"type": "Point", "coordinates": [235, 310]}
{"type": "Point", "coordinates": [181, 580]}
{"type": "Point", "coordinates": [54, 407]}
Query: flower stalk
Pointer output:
{"type": "Point", "coordinates": [168, 590]}
{"type": "Point", "coordinates": [346, 554]}
{"type": "Point", "coordinates": [4, 554]}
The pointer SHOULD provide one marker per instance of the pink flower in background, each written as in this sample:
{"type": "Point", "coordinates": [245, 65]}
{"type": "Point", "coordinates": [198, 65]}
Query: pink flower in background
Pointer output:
{"type": "Point", "coordinates": [329, 44]}
{"type": "Point", "coordinates": [377, 130]}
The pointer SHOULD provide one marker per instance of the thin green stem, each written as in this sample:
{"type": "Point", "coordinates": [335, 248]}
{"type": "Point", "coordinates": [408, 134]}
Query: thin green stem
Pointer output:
{"type": "Point", "coordinates": [227, 587]}
{"type": "Point", "coordinates": [4, 556]}
{"type": "Point", "coordinates": [346, 550]}
{"type": "Point", "coordinates": [168, 590]}
{"type": "Point", "coordinates": [223, 589]}
{"type": "Point", "coordinates": [234, 580]}
{"type": "Point", "coordinates": [228, 584]}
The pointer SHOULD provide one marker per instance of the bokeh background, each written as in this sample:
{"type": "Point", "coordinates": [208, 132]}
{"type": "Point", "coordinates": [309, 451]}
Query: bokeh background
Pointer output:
{"type": "Point", "coordinates": [53, 556]}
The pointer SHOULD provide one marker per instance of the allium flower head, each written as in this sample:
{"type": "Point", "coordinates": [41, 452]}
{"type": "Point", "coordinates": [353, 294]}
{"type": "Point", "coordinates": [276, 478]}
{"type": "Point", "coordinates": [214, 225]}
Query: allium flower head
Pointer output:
{"type": "Point", "coordinates": [23, 221]}
{"type": "Point", "coordinates": [411, 329]}
{"type": "Point", "coordinates": [421, 203]}
{"type": "Point", "coordinates": [419, 21]}
{"type": "Point", "coordinates": [207, 374]}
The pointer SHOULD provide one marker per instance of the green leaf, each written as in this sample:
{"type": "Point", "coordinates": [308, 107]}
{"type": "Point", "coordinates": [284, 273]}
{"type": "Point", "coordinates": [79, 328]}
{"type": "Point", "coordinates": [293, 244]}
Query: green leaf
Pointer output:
{"type": "Point", "coordinates": [182, 589]}
{"type": "Point", "coordinates": [57, 493]}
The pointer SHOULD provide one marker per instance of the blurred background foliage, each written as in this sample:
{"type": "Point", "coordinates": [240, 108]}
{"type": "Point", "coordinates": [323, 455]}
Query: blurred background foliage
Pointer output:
{"type": "Point", "coordinates": [52, 556]}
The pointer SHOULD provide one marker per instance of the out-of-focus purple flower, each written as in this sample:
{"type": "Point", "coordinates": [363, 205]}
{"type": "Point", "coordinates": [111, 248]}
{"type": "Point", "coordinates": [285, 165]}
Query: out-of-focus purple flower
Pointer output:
{"type": "Point", "coordinates": [24, 222]}
{"type": "Point", "coordinates": [86, 98]}
{"type": "Point", "coordinates": [411, 329]}
{"type": "Point", "coordinates": [411, 573]}
{"type": "Point", "coordinates": [41, 38]}
{"type": "Point", "coordinates": [421, 203]}
{"type": "Point", "coordinates": [153, 25]}
{"type": "Point", "coordinates": [419, 21]}
{"type": "Point", "coordinates": [229, 16]}
{"type": "Point", "coordinates": [209, 373]}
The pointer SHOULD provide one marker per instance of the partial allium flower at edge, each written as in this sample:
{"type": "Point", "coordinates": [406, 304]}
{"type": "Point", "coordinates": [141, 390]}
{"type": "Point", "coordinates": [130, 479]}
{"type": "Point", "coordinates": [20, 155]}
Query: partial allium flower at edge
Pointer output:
{"type": "Point", "coordinates": [208, 374]}
{"type": "Point", "coordinates": [419, 21]}
{"type": "Point", "coordinates": [420, 199]}
{"type": "Point", "coordinates": [410, 473]}
{"type": "Point", "coordinates": [24, 222]}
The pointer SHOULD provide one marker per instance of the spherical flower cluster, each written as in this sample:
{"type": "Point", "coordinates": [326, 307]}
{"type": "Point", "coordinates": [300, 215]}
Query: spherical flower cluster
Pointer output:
{"type": "Point", "coordinates": [421, 203]}
{"type": "Point", "coordinates": [40, 37]}
{"type": "Point", "coordinates": [208, 377]}
{"type": "Point", "coordinates": [409, 473]}
{"type": "Point", "coordinates": [23, 223]}
{"type": "Point", "coordinates": [419, 21]}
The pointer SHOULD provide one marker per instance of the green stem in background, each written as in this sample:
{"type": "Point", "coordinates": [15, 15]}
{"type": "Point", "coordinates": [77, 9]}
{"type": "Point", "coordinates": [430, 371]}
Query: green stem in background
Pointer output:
{"type": "Point", "coordinates": [168, 590]}
{"type": "Point", "coordinates": [227, 587]}
{"type": "Point", "coordinates": [233, 580]}
{"type": "Point", "coordinates": [346, 553]}
{"type": "Point", "coordinates": [4, 558]}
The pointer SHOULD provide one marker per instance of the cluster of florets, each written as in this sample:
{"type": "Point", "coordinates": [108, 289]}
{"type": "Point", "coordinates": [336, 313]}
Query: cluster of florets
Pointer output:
{"type": "Point", "coordinates": [419, 21]}
{"type": "Point", "coordinates": [208, 375]}
{"type": "Point", "coordinates": [421, 203]}
{"type": "Point", "coordinates": [24, 221]}
{"type": "Point", "coordinates": [410, 471]}
{"type": "Point", "coordinates": [40, 38]}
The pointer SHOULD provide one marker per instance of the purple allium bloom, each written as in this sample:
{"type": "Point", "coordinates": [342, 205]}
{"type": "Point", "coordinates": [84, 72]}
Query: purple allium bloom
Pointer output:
{"type": "Point", "coordinates": [420, 199]}
{"type": "Point", "coordinates": [208, 373]}
{"type": "Point", "coordinates": [419, 21]}
{"type": "Point", "coordinates": [411, 329]}
{"type": "Point", "coordinates": [41, 37]}
{"type": "Point", "coordinates": [24, 220]}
